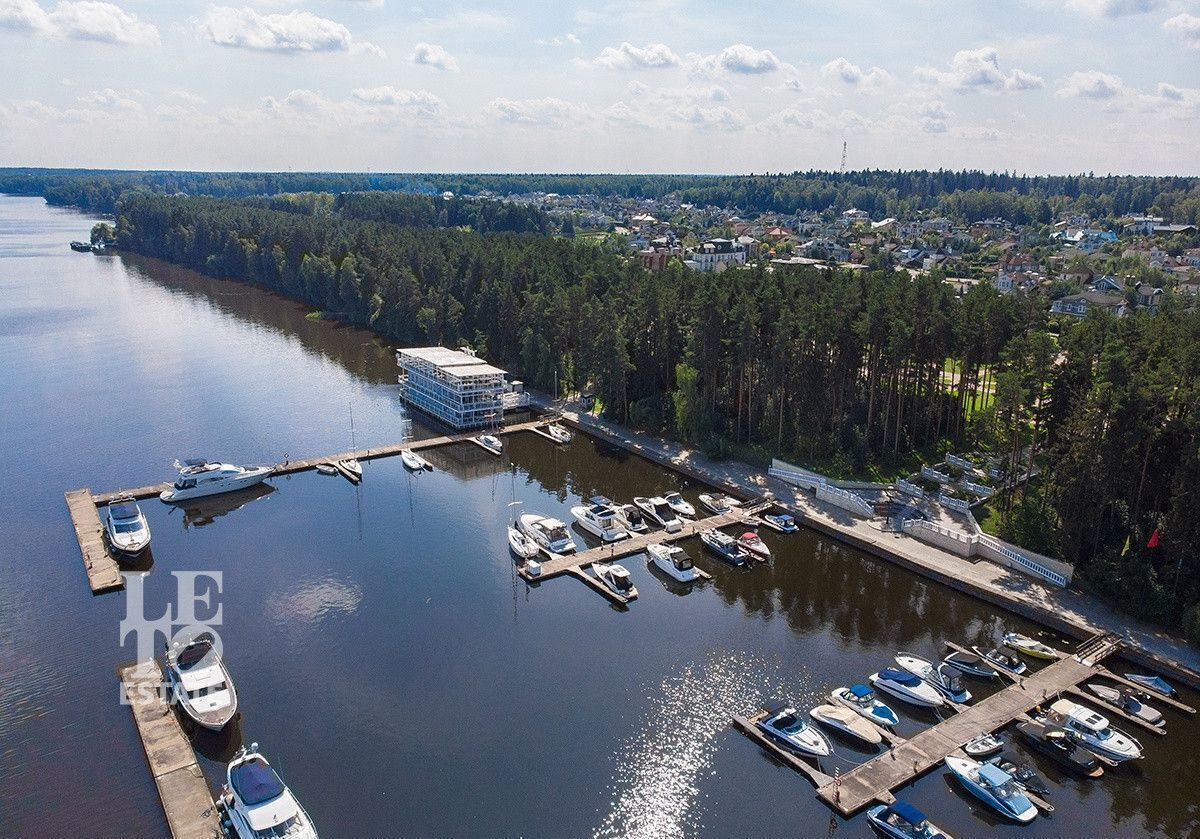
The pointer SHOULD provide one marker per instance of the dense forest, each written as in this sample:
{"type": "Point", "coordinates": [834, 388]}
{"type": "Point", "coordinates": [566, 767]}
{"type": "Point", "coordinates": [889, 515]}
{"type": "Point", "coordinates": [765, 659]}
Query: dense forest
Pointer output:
{"type": "Point", "coordinates": [851, 369]}
{"type": "Point", "coordinates": [965, 195]}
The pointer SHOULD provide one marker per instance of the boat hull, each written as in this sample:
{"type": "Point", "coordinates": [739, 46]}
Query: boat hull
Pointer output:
{"type": "Point", "coordinates": [174, 495]}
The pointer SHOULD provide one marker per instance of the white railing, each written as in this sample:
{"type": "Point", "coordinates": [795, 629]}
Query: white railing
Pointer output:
{"type": "Point", "coordinates": [1023, 561]}
{"type": "Point", "coordinates": [795, 475]}
{"type": "Point", "coordinates": [956, 535]}
{"type": "Point", "coordinates": [909, 488]}
{"type": "Point", "coordinates": [845, 499]}
{"type": "Point", "coordinates": [960, 462]}
{"type": "Point", "coordinates": [954, 503]}
{"type": "Point", "coordinates": [978, 489]}
{"type": "Point", "coordinates": [934, 475]}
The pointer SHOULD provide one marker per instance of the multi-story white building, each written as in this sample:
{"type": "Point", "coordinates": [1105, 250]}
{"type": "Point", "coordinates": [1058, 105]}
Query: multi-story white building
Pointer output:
{"type": "Point", "coordinates": [456, 386]}
{"type": "Point", "coordinates": [716, 255]}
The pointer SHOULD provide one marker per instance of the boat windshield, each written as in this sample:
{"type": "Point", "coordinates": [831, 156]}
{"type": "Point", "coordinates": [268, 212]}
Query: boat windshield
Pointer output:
{"type": "Point", "coordinates": [279, 831]}
{"type": "Point", "coordinates": [127, 527]}
{"type": "Point", "coordinates": [621, 581]}
{"type": "Point", "coordinates": [193, 654]}
{"type": "Point", "coordinates": [255, 781]}
{"type": "Point", "coordinates": [664, 511]}
{"type": "Point", "coordinates": [790, 724]}
{"type": "Point", "coordinates": [682, 561]}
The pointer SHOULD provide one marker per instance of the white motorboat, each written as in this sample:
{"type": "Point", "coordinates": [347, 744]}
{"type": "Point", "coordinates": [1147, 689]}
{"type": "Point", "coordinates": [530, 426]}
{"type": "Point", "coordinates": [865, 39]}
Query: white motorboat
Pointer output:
{"type": "Point", "coordinates": [200, 684]}
{"type": "Point", "coordinates": [673, 561]}
{"type": "Point", "coordinates": [258, 804]}
{"type": "Point", "coordinates": [326, 468]}
{"type": "Point", "coordinates": [846, 721]}
{"type": "Point", "coordinates": [675, 502]}
{"type": "Point", "coordinates": [1129, 702]}
{"type": "Point", "coordinates": [1025, 644]}
{"type": "Point", "coordinates": [559, 434]}
{"type": "Point", "coordinates": [718, 504]}
{"type": "Point", "coordinates": [907, 687]}
{"type": "Point", "coordinates": [1000, 661]}
{"type": "Point", "coordinates": [753, 544]}
{"type": "Point", "coordinates": [601, 520]}
{"type": "Point", "coordinates": [490, 442]}
{"type": "Point", "coordinates": [903, 821]}
{"type": "Point", "coordinates": [724, 546]}
{"type": "Point", "coordinates": [784, 724]}
{"type": "Point", "coordinates": [862, 700]}
{"type": "Point", "coordinates": [1092, 731]}
{"type": "Point", "coordinates": [970, 664]}
{"type": "Point", "coordinates": [350, 469]}
{"type": "Point", "coordinates": [632, 518]}
{"type": "Point", "coordinates": [414, 461]}
{"type": "Point", "coordinates": [658, 511]}
{"type": "Point", "coordinates": [126, 527]}
{"type": "Point", "coordinates": [549, 534]}
{"type": "Point", "coordinates": [198, 478]}
{"type": "Point", "coordinates": [940, 678]}
{"type": "Point", "coordinates": [994, 787]}
{"type": "Point", "coordinates": [983, 745]}
{"type": "Point", "coordinates": [520, 544]}
{"type": "Point", "coordinates": [616, 578]}
{"type": "Point", "coordinates": [782, 522]}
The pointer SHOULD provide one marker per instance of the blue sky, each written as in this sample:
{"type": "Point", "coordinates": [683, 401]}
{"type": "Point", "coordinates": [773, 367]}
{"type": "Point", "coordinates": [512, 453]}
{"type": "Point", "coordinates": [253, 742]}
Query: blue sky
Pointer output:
{"type": "Point", "coordinates": [621, 86]}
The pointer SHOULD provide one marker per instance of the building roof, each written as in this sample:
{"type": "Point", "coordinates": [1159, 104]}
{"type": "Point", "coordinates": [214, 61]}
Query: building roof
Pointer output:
{"type": "Point", "coordinates": [452, 362]}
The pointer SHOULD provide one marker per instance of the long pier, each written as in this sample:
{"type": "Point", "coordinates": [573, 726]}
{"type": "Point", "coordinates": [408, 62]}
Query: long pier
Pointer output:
{"type": "Point", "coordinates": [182, 788]}
{"type": "Point", "coordinates": [102, 571]}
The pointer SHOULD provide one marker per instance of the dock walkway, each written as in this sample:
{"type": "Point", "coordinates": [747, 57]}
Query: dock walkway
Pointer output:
{"type": "Point", "coordinates": [182, 787]}
{"type": "Point", "coordinates": [102, 571]}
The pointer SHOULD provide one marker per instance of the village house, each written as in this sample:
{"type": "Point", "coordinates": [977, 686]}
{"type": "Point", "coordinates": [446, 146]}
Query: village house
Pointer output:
{"type": "Point", "coordinates": [1078, 305]}
{"type": "Point", "coordinates": [716, 255]}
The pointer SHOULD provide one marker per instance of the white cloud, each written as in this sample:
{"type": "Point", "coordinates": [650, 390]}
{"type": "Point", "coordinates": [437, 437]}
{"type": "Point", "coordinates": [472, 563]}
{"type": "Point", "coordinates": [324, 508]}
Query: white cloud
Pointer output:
{"type": "Point", "coordinates": [189, 97]}
{"type": "Point", "coordinates": [739, 58]}
{"type": "Point", "coordinates": [1115, 8]}
{"type": "Point", "coordinates": [1092, 84]}
{"type": "Point", "coordinates": [690, 93]}
{"type": "Point", "coordinates": [548, 111]}
{"type": "Point", "coordinates": [24, 16]}
{"type": "Point", "coordinates": [975, 70]}
{"type": "Point", "coordinates": [1186, 27]}
{"type": "Point", "coordinates": [852, 74]}
{"type": "Point", "coordinates": [789, 119]}
{"type": "Point", "coordinates": [294, 31]}
{"type": "Point", "coordinates": [558, 40]}
{"type": "Point", "coordinates": [433, 55]}
{"type": "Point", "coordinates": [629, 57]}
{"type": "Point", "coordinates": [719, 118]}
{"type": "Point", "coordinates": [421, 101]}
{"type": "Point", "coordinates": [619, 113]}
{"type": "Point", "coordinates": [112, 100]}
{"type": "Point", "coordinates": [83, 20]}
{"type": "Point", "coordinates": [471, 19]}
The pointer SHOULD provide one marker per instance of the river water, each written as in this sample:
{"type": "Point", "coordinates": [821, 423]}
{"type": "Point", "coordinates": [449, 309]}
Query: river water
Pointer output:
{"type": "Point", "coordinates": [388, 660]}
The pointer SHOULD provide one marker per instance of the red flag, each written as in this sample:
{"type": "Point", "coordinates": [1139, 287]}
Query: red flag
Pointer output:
{"type": "Point", "coordinates": [1153, 543]}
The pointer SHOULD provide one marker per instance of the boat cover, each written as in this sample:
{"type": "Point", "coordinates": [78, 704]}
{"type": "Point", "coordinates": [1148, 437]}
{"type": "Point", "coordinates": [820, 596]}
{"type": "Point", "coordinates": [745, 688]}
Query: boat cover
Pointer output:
{"type": "Point", "coordinates": [255, 782]}
{"type": "Point", "coordinates": [861, 691]}
{"type": "Point", "coordinates": [907, 812]}
{"type": "Point", "coordinates": [993, 775]}
{"type": "Point", "coordinates": [901, 676]}
{"type": "Point", "coordinates": [1157, 682]}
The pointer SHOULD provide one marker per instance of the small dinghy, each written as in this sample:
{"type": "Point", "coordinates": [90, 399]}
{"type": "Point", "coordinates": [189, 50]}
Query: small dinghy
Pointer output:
{"type": "Point", "coordinates": [784, 724]}
{"type": "Point", "coordinates": [1128, 702]}
{"type": "Point", "coordinates": [200, 684]}
{"type": "Point", "coordinates": [970, 664]}
{"type": "Point", "coordinates": [1154, 683]}
{"type": "Point", "coordinates": [350, 469]}
{"type": "Point", "coordinates": [1030, 647]}
{"type": "Point", "coordinates": [903, 821]}
{"type": "Point", "coordinates": [862, 700]}
{"type": "Point", "coordinates": [1023, 774]}
{"type": "Point", "coordinates": [753, 544]}
{"type": "Point", "coordinates": [1000, 661]}
{"type": "Point", "coordinates": [846, 721]}
{"type": "Point", "coordinates": [616, 578]}
{"type": "Point", "coordinates": [414, 462]}
{"type": "Point", "coordinates": [984, 745]}
{"type": "Point", "coordinates": [490, 442]}
{"type": "Point", "coordinates": [781, 522]}
{"type": "Point", "coordinates": [520, 544]}
{"type": "Point", "coordinates": [326, 468]}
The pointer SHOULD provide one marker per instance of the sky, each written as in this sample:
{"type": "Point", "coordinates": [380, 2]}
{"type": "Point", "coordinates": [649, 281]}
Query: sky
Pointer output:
{"type": "Point", "coordinates": [1031, 86]}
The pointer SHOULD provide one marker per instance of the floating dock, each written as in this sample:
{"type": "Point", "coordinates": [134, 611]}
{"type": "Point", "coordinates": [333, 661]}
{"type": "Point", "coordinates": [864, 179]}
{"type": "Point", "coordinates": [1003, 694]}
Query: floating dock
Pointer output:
{"type": "Point", "coordinates": [103, 573]}
{"type": "Point", "coordinates": [182, 787]}
{"type": "Point", "coordinates": [749, 726]}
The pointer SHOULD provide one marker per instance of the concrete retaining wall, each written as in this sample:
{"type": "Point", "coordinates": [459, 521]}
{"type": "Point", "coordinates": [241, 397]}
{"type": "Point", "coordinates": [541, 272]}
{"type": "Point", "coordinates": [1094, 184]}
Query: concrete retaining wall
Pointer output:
{"type": "Point", "coordinates": [845, 499]}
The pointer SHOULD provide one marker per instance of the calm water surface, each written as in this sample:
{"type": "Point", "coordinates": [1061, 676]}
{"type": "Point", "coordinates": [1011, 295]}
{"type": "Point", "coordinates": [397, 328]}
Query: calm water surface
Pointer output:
{"type": "Point", "coordinates": [386, 656]}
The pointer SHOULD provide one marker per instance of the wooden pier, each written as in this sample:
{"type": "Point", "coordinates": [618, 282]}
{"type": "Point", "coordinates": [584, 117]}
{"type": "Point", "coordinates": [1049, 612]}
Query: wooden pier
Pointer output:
{"type": "Point", "coordinates": [182, 787]}
{"type": "Point", "coordinates": [102, 570]}
{"type": "Point", "coordinates": [749, 726]}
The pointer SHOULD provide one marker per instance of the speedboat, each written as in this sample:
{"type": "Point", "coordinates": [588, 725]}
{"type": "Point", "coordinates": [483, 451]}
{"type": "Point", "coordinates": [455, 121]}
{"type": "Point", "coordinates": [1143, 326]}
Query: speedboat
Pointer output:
{"type": "Point", "coordinates": [940, 678]}
{"type": "Point", "coordinates": [616, 578]}
{"type": "Point", "coordinates": [970, 664]}
{"type": "Point", "coordinates": [350, 469]}
{"type": "Point", "coordinates": [632, 518]}
{"type": "Point", "coordinates": [549, 534]}
{"type": "Point", "coordinates": [1027, 645]}
{"type": "Point", "coordinates": [846, 721]}
{"type": "Point", "coordinates": [490, 442]}
{"type": "Point", "coordinates": [1156, 683]}
{"type": "Point", "coordinates": [784, 724]}
{"type": "Point", "coordinates": [994, 787]}
{"type": "Point", "coordinates": [1060, 747]}
{"type": "Point", "coordinates": [983, 745]}
{"type": "Point", "coordinates": [672, 560]}
{"type": "Point", "coordinates": [903, 821]}
{"type": "Point", "coordinates": [126, 527]}
{"type": "Point", "coordinates": [601, 520]}
{"type": "Point", "coordinates": [724, 546]}
{"type": "Point", "coordinates": [1093, 732]}
{"type": "Point", "coordinates": [198, 478]}
{"type": "Point", "coordinates": [862, 700]}
{"type": "Point", "coordinates": [782, 522]}
{"type": "Point", "coordinates": [520, 544]}
{"type": "Point", "coordinates": [675, 502]}
{"type": "Point", "coordinates": [1128, 702]}
{"type": "Point", "coordinates": [753, 544]}
{"type": "Point", "coordinates": [717, 504]}
{"type": "Point", "coordinates": [414, 461]}
{"type": "Point", "coordinates": [560, 434]}
{"type": "Point", "coordinates": [907, 687]}
{"type": "Point", "coordinates": [999, 661]}
{"type": "Point", "coordinates": [659, 511]}
{"type": "Point", "coordinates": [200, 684]}
{"type": "Point", "coordinates": [259, 804]}
{"type": "Point", "coordinates": [1023, 774]}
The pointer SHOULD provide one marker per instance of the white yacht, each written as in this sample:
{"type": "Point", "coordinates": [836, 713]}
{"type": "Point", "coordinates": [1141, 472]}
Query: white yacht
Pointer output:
{"type": "Point", "coordinates": [560, 434]}
{"type": "Point", "coordinates": [200, 684]}
{"type": "Point", "coordinates": [632, 518]}
{"type": "Point", "coordinates": [904, 685]}
{"type": "Point", "coordinates": [414, 461]}
{"type": "Point", "coordinates": [126, 527]}
{"type": "Point", "coordinates": [350, 469]}
{"type": "Point", "coordinates": [659, 512]}
{"type": "Point", "coordinates": [258, 804]}
{"type": "Point", "coordinates": [675, 502]}
{"type": "Point", "coordinates": [942, 678]}
{"type": "Point", "coordinates": [550, 534]}
{"type": "Point", "coordinates": [718, 504]}
{"type": "Point", "coordinates": [491, 442]}
{"type": "Point", "coordinates": [784, 724]}
{"type": "Point", "coordinates": [198, 478]}
{"type": "Point", "coordinates": [673, 561]}
{"type": "Point", "coordinates": [616, 578]}
{"type": "Point", "coordinates": [994, 787]}
{"type": "Point", "coordinates": [520, 544]}
{"type": "Point", "coordinates": [601, 520]}
{"type": "Point", "coordinates": [1093, 732]}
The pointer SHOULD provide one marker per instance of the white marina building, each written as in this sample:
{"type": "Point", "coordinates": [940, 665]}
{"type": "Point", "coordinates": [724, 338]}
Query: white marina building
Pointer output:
{"type": "Point", "coordinates": [457, 387]}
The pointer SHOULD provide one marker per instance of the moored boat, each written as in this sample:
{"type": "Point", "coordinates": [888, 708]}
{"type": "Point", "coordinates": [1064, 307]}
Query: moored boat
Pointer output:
{"type": "Point", "coordinates": [1029, 646]}
{"type": "Point", "coordinates": [616, 578]}
{"type": "Point", "coordinates": [970, 664]}
{"type": "Point", "coordinates": [1155, 683]}
{"type": "Point", "coordinates": [198, 478]}
{"type": "Point", "coordinates": [781, 522]}
{"type": "Point", "coordinates": [200, 684]}
{"type": "Point", "coordinates": [717, 504]}
{"type": "Point", "coordinates": [994, 787]}
{"type": "Point", "coordinates": [601, 520]}
{"type": "Point", "coordinates": [1023, 774]}
{"type": "Point", "coordinates": [631, 517]}
{"type": "Point", "coordinates": [724, 546]}
{"type": "Point", "coordinates": [658, 511]}
{"type": "Point", "coordinates": [1093, 732]}
{"type": "Point", "coordinates": [753, 545]}
{"type": "Point", "coordinates": [1057, 745]}
{"type": "Point", "coordinates": [520, 544]}
{"type": "Point", "coordinates": [350, 469]}
{"type": "Point", "coordinates": [863, 701]}
{"type": "Point", "coordinates": [126, 528]}
{"type": "Point", "coordinates": [983, 745]}
{"type": "Point", "coordinates": [902, 820]}
{"type": "Point", "coordinates": [906, 687]}
{"type": "Point", "coordinates": [258, 804]}
{"type": "Point", "coordinates": [673, 561]}
{"type": "Point", "coordinates": [785, 725]}
{"type": "Point", "coordinates": [682, 508]}
{"type": "Point", "coordinates": [1128, 702]}
{"type": "Point", "coordinates": [940, 678]}
{"type": "Point", "coordinates": [559, 434]}
{"type": "Point", "coordinates": [841, 718]}
{"type": "Point", "coordinates": [326, 468]}
{"type": "Point", "coordinates": [414, 461]}
{"type": "Point", "coordinates": [1000, 661]}
{"type": "Point", "coordinates": [549, 534]}
{"type": "Point", "coordinates": [491, 442]}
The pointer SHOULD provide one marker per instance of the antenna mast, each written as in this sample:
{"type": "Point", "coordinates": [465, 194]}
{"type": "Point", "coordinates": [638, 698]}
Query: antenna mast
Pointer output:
{"type": "Point", "coordinates": [842, 171]}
